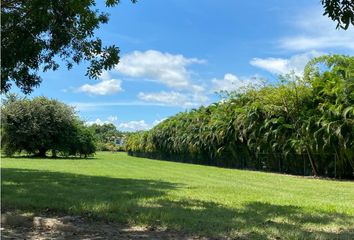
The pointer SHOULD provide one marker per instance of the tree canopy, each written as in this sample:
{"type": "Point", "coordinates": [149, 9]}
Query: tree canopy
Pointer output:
{"type": "Point", "coordinates": [107, 136]}
{"type": "Point", "coordinates": [37, 34]}
{"type": "Point", "coordinates": [40, 125]}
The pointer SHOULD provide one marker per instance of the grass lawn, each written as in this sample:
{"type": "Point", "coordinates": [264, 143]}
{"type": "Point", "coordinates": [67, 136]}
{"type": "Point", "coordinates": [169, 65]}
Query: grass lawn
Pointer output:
{"type": "Point", "coordinates": [194, 199]}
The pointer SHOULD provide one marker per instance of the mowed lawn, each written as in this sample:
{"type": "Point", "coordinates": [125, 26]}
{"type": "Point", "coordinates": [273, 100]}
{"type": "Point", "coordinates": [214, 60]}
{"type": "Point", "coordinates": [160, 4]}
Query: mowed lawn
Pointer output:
{"type": "Point", "coordinates": [189, 198]}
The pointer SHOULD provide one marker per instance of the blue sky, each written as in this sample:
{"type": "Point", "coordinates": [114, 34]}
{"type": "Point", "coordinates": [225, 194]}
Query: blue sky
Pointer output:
{"type": "Point", "coordinates": [175, 54]}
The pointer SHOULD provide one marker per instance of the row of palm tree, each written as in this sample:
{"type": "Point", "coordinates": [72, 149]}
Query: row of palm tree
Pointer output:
{"type": "Point", "coordinates": [300, 125]}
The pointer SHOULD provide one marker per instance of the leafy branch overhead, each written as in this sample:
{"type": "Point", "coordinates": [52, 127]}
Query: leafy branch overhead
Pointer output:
{"type": "Point", "coordinates": [340, 11]}
{"type": "Point", "coordinates": [37, 34]}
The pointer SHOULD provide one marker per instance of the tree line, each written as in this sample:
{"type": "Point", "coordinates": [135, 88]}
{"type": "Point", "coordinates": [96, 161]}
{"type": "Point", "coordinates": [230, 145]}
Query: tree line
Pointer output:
{"type": "Point", "coordinates": [300, 125]}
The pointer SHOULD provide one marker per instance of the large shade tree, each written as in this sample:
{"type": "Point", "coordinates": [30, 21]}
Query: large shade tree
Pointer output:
{"type": "Point", "coordinates": [40, 125]}
{"type": "Point", "coordinates": [36, 35]}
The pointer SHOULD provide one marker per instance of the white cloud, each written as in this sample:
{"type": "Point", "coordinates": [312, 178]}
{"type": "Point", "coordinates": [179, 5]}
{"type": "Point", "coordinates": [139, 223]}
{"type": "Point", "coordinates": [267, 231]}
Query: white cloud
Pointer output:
{"type": "Point", "coordinates": [130, 126]}
{"type": "Point", "coordinates": [106, 87]}
{"type": "Point", "coordinates": [169, 69]}
{"type": "Point", "coordinates": [97, 121]}
{"type": "Point", "coordinates": [173, 98]}
{"type": "Point", "coordinates": [199, 98]}
{"type": "Point", "coordinates": [319, 42]}
{"type": "Point", "coordinates": [169, 98]}
{"type": "Point", "coordinates": [110, 119]}
{"type": "Point", "coordinates": [105, 76]}
{"type": "Point", "coordinates": [231, 82]}
{"type": "Point", "coordinates": [316, 31]}
{"type": "Point", "coordinates": [133, 126]}
{"type": "Point", "coordinates": [295, 63]}
{"type": "Point", "coordinates": [273, 65]}
{"type": "Point", "coordinates": [93, 106]}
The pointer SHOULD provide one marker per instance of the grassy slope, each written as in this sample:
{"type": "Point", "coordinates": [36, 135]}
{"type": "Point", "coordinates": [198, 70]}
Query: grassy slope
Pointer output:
{"type": "Point", "coordinates": [196, 199]}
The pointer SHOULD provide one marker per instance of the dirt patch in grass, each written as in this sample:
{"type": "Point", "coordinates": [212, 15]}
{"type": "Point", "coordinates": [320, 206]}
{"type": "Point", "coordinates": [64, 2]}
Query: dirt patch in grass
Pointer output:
{"type": "Point", "coordinates": [27, 226]}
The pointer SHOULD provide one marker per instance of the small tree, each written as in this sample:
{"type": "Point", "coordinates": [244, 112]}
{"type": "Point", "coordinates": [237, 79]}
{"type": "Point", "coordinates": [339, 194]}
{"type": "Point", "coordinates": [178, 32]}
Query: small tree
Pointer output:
{"type": "Point", "coordinates": [83, 141]}
{"type": "Point", "coordinates": [106, 135]}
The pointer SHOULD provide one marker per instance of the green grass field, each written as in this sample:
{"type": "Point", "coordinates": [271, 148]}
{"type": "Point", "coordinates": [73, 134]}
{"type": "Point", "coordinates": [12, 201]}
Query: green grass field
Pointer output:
{"type": "Point", "coordinates": [193, 199]}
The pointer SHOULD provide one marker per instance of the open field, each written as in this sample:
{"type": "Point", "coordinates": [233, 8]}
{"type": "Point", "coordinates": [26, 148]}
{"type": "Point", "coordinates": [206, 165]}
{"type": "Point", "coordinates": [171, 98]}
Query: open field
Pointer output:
{"type": "Point", "coordinates": [193, 199]}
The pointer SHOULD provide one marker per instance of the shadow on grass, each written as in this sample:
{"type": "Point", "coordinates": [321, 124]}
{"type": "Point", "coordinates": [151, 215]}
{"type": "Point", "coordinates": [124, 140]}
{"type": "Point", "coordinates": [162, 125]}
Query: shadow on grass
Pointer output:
{"type": "Point", "coordinates": [140, 201]}
{"type": "Point", "coordinates": [50, 157]}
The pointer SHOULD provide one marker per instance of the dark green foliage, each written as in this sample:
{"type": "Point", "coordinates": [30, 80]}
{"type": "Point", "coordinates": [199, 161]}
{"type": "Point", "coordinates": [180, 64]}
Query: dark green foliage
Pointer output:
{"type": "Point", "coordinates": [40, 125]}
{"type": "Point", "coordinates": [340, 11]}
{"type": "Point", "coordinates": [82, 141]}
{"type": "Point", "coordinates": [297, 126]}
{"type": "Point", "coordinates": [107, 135]}
{"type": "Point", "coordinates": [35, 34]}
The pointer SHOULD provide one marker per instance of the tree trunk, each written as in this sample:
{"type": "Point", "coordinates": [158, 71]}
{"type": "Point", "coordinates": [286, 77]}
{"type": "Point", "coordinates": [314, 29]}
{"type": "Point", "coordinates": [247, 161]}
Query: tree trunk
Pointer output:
{"type": "Point", "coordinates": [313, 164]}
{"type": "Point", "coordinates": [42, 152]}
{"type": "Point", "coordinates": [54, 154]}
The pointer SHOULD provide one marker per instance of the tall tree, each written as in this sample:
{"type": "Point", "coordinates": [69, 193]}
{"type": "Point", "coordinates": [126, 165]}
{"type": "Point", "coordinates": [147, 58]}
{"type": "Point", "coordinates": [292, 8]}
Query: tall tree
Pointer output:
{"type": "Point", "coordinates": [36, 34]}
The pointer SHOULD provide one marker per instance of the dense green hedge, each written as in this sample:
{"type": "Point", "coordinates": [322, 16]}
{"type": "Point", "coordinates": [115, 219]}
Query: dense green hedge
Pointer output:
{"type": "Point", "coordinates": [300, 126]}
